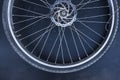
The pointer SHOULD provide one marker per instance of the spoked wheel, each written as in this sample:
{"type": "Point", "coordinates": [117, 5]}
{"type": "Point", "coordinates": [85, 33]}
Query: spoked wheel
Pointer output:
{"type": "Point", "coordinates": [60, 35]}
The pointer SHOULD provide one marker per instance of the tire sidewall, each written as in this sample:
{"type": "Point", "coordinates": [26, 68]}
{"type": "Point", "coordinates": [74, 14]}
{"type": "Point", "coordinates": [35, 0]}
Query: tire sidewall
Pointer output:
{"type": "Point", "coordinates": [50, 69]}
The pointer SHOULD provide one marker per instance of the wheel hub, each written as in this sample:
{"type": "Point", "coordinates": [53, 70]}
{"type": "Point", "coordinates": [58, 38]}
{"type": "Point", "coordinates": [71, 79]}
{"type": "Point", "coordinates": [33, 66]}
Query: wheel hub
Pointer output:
{"type": "Point", "coordinates": [63, 13]}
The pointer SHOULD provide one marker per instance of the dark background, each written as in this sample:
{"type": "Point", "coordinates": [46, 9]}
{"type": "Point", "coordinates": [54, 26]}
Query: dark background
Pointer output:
{"type": "Point", "coordinates": [12, 67]}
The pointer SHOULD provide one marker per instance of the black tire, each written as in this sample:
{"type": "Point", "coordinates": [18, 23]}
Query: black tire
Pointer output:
{"type": "Point", "coordinates": [33, 62]}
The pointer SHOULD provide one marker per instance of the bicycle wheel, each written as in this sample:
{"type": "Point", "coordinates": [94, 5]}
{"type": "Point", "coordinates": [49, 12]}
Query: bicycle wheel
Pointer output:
{"type": "Point", "coordinates": [60, 36]}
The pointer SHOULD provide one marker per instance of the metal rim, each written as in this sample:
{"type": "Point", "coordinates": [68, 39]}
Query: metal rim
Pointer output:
{"type": "Point", "coordinates": [56, 66]}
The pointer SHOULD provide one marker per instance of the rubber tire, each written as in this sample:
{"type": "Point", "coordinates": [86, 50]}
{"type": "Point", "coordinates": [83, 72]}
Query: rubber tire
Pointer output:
{"type": "Point", "coordinates": [50, 69]}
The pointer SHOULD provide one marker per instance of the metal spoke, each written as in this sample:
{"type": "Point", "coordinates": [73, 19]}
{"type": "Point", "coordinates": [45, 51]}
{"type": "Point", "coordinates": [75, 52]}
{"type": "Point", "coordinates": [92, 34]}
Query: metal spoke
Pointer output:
{"type": "Point", "coordinates": [98, 22]}
{"type": "Point", "coordinates": [80, 2]}
{"type": "Point", "coordinates": [53, 45]}
{"type": "Point", "coordinates": [17, 15]}
{"type": "Point", "coordinates": [34, 33]}
{"type": "Point", "coordinates": [30, 11]}
{"type": "Point", "coordinates": [91, 29]}
{"type": "Point", "coordinates": [60, 47]}
{"type": "Point", "coordinates": [87, 43]}
{"type": "Point", "coordinates": [35, 4]}
{"type": "Point", "coordinates": [41, 38]}
{"type": "Point", "coordinates": [81, 41]}
{"type": "Point", "coordinates": [86, 36]}
{"type": "Point", "coordinates": [38, 37]}
{"type": "Point", "coordinates": [88, 2]}
{"type": "Point", "coordinates": [69, 53]}
{"type": "Point", "coordinates": [30, 25]}
{"type": "Point", "coordinates": [48, 35]}
{"type": "Point", "coordinates": [94, 16]}
{"type": "Point", "coordinates": [25, 20]}
{"type": "Point", "coordinates": [46, 3]}
{"type": "Point", "coordinates": [76, 47]}
{"type": "Point", "coordinates": [96, 7]}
